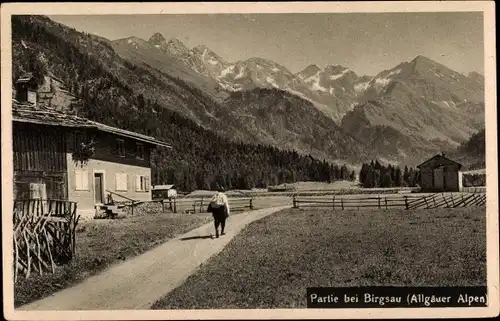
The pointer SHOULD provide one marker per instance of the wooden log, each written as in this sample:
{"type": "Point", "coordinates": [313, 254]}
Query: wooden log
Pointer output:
{"type": "Point", "coordinates": [16, 259]}
{"type": "Point", "coordinates": [452, 200]}
{"type": "Point", "coordinates": [49, 251]}
{"type": "Point", "coordinates": [28, 270]}
{"type": "Point", "coordinates": [38, 247]}
{"type": "Point", "coordinates": [446, 201]}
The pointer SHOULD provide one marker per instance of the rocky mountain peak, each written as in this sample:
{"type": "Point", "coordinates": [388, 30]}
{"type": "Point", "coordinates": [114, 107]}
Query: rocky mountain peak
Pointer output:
{"type": "Point", "coordinates": [175, 47]}
{"type": "Point", "coordinates": [157, 39]}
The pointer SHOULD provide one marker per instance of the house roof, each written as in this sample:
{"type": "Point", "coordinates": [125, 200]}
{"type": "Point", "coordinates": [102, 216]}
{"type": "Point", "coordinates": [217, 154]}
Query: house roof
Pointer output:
{"type": "Point", "coordinates": [25, 78]}
{"type": "Point", "coordinates": [126, 133]}
{"type": "Point", "coordinates": [160, 187]}
{"type": "Point", "coordinates": [26, 113]}
{"type": "Point", "coordinates": [440, 156]}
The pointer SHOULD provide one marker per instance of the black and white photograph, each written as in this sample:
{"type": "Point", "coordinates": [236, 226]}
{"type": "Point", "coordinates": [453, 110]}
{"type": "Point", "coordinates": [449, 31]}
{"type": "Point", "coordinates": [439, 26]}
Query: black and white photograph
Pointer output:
{"type": "Point", "coordinates": [249, 160]}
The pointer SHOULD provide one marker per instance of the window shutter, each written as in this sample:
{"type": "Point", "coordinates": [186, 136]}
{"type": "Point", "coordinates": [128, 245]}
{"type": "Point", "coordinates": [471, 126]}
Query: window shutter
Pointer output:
{"type": "Point", "coordinates": [121, 182]}
{"type": "Point", "coordinates": [85, 180]}
{"type": "Point", "coordinates": [34, 191]}
{"type": "Point", "coordinates": [42, 191]}
{"type": "Point", "coordinates": [137, 183]}
{"type": "Point", "coordinates": [146, 179]}
{"type": "Point", "coordinates": [78, 179]}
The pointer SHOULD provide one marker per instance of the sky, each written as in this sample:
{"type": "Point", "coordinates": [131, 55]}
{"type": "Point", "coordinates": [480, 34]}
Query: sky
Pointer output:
{"type": "Point", "coordinates": [367, 43]}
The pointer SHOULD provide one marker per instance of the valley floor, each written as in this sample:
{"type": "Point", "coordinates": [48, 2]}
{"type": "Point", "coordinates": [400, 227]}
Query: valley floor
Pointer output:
{"type": "Point", "coordinates": [272, 262]}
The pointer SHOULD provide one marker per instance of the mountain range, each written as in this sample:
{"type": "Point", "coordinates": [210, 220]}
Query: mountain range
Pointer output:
{"type": "Point", "coordinates": [407, 112]}
{"type": "Point", "coordinates": [404, 114]}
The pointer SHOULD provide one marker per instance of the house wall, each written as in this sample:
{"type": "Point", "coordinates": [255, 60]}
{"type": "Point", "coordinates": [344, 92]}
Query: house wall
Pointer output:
{"type": "Point", "coordinates": [106, 149]}
{"type": "Point", "coordinates": [428, 183]}
{"type": "Point", "coordinates": [107, 161]}
{"type": "Point", "coordinates": [426, 179]}
{"type": "Point", "coordinates": [39, 158]}
{"type": "Point", "coordinates": [85, 198]}
{"type": "Point", "coordinates": [452, 181]}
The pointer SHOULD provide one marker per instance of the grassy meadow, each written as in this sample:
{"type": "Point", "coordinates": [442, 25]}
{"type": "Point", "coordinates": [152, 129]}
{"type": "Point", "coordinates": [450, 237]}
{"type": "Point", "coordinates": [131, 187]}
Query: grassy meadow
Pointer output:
{"type": "Point", "coordinates": [272, 261]}
{"type": "Point", "coordinates": [101, 243]}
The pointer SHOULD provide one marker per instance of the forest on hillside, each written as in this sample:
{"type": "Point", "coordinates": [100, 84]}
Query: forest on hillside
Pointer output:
{"type": "Point", "coordinates": [199, 159]}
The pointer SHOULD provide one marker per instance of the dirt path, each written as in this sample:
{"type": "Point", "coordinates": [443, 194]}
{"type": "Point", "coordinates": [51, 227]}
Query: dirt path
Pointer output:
{"type": "Point", "coordinates": [137, 283]}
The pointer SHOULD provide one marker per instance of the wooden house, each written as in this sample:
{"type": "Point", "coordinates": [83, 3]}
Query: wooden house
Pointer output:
{"type": "Point", "coordinates": [66, 157]}
{"type": "Point", "coordinates": [440, 174]}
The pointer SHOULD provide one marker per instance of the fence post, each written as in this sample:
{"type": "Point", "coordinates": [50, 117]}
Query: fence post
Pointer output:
{"type": "Point", "coordinates": [385, 202]}
{"type": "Point", "coordinates": [342, 203]}
{"type": "Point", "coordinates": [163, 205]}
{"type": "Point", "coordinates": [452, 200]}
{"type": "Point", "coordinates": [201, 204]}
{"type": "Point", "coordinates": [379, 202]}
{"type": "Point", "coordinates": [294, 201]}
{"type": "Point", "coordinates": [133, 203]}
{"type": "Point", "coordinates": [251, 203]}
{"type": "Point", "coordinates": [175, 205]}
{"type": "Point", "coordinates": [194, 207]}
{"type": "Point", "coordinates": [333, 201]}
{"type": "Point", "coordinates": [444, 197]}
{"type": "Point", "coordinates": [406, 202]}
{"type": "Point", "coordinates": [426, 205]}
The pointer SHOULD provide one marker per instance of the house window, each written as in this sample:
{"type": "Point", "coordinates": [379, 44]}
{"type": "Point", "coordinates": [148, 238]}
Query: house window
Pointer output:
{"type": "Point", "coordinates": [38, 191]}
{"type": "Point", "coordinates": [120, 147]}
{"type": "Point", "coordinates": [121, 182]}
{"type": "Point", "coordinates": [142, 183]}
{"type": "Point", "coordinates": [140, 150]}
{"type": "Point", "coordinates": [81, 180]}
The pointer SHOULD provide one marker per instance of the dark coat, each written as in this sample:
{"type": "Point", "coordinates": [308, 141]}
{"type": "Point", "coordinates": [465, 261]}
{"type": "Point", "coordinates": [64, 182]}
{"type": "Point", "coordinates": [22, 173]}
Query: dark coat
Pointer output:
{"type": "Point", "coordinates": [218, 212]}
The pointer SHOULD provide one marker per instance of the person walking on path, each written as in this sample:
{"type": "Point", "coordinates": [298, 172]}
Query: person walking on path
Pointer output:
{"type": "Point", "coordinates": [219, 207]}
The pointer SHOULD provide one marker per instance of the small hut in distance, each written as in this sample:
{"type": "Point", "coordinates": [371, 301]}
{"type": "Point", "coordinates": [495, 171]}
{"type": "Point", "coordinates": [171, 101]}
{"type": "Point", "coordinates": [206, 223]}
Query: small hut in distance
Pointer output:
{"type": "Point", "coordinates": [440, 174]}
{"type": "Point", "coordinates": [160, 192]}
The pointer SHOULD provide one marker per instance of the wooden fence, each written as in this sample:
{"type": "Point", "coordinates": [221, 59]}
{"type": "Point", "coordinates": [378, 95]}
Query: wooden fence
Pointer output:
{"type": "Point", "coordinates": [200, 205]}
{"type": "Point", "coordinates": [407, 202]}
{"type": "Point", "coordinates": [44, 235]}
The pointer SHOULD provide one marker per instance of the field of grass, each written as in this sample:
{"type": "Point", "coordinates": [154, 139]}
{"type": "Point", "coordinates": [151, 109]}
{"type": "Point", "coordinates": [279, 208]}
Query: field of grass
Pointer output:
{"type": "Point", "coordinates": [101, 243]}
{"type": "Point", "coordinates": [272, 262]}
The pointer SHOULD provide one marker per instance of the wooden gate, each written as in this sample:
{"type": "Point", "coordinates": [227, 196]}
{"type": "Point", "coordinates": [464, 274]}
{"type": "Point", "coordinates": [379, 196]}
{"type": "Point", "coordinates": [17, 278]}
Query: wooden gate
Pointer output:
{"type": "Point", "coordinates": [44, 235]}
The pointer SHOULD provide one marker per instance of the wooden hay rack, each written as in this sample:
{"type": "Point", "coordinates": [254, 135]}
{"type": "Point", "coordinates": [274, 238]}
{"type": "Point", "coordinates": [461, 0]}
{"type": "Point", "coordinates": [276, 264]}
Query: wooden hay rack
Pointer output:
{"type": "Point", "coordinates": [44, 235]}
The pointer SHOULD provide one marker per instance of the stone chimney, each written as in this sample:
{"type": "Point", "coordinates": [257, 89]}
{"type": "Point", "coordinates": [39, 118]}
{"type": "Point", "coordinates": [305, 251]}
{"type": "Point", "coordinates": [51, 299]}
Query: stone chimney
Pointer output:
{"type": "Point", "coordinates": [26, 89]}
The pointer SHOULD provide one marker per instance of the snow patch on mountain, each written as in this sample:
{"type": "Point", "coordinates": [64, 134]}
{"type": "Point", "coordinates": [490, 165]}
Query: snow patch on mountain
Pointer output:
{"type": "Point", "coordinates": [241, 73]}
{"type": "Point", "coordinates": [361, 87]}
{"type": "Point", "coordinates": [271, 81]}
{"type": "Point", "coordinates": [394, 72]}
{"type": "Point", "coordinates": [337, 76]}
{"type": "Point", "coordinates": [382, 81]}
{"type": "Point", "coordinates": [227, 71]}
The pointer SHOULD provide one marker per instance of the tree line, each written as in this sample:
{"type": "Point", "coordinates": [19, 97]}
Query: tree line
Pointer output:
{"type": "Point", "coordinates": [374, 174]}
{"type": "Point", "coordinates": [199, 159]}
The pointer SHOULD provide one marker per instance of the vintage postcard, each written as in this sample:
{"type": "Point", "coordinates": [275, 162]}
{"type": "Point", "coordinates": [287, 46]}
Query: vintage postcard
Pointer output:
{"type": "Point", "coordinates": [258, 160]}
